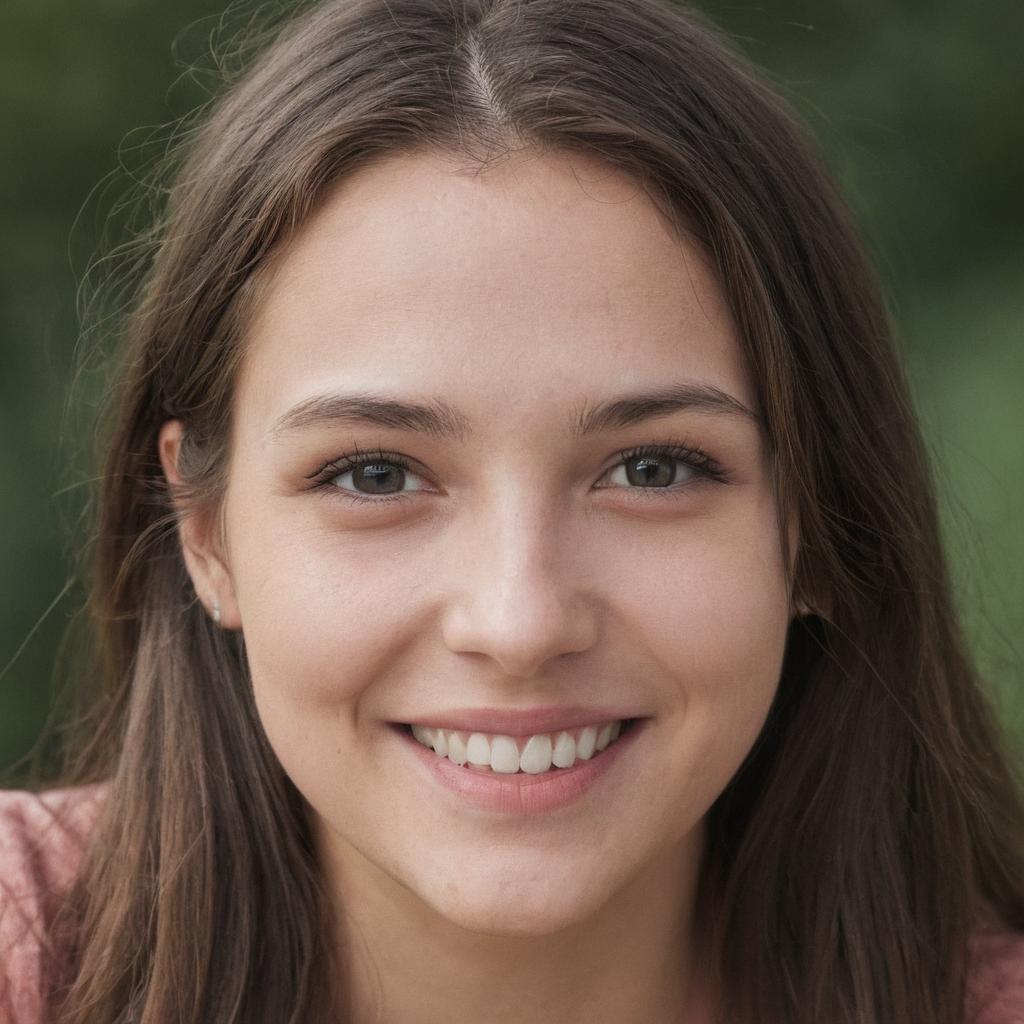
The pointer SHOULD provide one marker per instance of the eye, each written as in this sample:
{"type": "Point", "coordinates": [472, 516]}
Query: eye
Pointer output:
{"type": "Point", "coordinates": [373, 477]}
{"type": "Point", "coordinates": [663, 467]}
{"type": "Point", "coordinates": [380, 476]}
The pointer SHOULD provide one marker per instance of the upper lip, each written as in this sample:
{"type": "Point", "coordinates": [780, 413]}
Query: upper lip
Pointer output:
{"type": "Point", "coordinates": [524, 722]}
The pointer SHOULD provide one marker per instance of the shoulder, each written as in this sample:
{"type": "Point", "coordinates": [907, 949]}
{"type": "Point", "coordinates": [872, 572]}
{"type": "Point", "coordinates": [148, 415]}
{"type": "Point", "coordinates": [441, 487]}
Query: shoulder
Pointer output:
{"type": "Point", "coordinates": [42, 839]}
{"type": "Point", "coordinates": [995, 980]}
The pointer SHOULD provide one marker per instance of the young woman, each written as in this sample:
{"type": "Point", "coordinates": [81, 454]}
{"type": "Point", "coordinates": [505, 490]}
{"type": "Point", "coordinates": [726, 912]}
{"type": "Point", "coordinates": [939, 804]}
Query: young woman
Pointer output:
{"type": "Point", "coordinates": [517, 576]}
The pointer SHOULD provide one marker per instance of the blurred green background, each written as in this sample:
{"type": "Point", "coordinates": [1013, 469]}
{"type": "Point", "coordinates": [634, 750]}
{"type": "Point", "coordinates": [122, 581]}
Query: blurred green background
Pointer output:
{"type": "Point", "coordinates": [916, 106]}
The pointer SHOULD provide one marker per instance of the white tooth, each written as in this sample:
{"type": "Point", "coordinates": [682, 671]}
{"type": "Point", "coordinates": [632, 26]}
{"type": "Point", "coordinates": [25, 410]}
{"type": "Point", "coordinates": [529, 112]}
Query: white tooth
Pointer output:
{"type": "Point", "coordinates": [585, 744]}
{"type": "Point", "coordinates": [504, 755]}
{"type": "Point", "coordinates": [604, 736]}
{"type": "Point", "coordinates": [616, 729]}
{"type": "Point", "coordinates": [565, 751]}
{"type": "Point", "coordinates": [478, 750]}
{"type": "Point", "coordinates": [422, 734]}
{"type": "Point", "coordinates": [440, 742]}
{"type": "Point", "coordinates": [536, 755]}
{"type": "Point", "coordinates": [456, 748]}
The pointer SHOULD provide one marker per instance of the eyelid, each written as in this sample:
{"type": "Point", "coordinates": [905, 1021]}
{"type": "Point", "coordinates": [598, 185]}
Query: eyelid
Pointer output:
{"type": "Point", "coordinates": [357, 457]}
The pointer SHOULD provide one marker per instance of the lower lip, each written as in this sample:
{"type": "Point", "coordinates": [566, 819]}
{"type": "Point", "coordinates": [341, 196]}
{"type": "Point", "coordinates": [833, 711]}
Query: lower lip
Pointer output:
{"type": "Point", "coordinates": [521, 793]}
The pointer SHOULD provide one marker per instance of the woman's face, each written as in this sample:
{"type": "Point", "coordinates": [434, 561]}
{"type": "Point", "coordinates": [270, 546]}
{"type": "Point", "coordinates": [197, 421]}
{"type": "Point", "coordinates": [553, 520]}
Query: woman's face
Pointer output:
{"type": "Point", "coordinates": [502, 568]}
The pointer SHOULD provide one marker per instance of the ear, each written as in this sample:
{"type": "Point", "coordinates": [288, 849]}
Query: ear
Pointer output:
{"type": "Point", "coordinates": [804, 603]}
{"type": "Point", "coordinates": [201, 544]}
{"type": "Point", "coordinates": [812, 605]}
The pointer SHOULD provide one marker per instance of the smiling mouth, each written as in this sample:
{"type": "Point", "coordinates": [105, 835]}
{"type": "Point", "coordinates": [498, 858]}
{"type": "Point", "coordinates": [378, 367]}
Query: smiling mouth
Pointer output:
{"type": "Point", "coordinates": [538, 754]}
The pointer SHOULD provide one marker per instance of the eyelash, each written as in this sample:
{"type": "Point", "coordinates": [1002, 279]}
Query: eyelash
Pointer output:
{"type": "Point", "coordinates": [695, 458]}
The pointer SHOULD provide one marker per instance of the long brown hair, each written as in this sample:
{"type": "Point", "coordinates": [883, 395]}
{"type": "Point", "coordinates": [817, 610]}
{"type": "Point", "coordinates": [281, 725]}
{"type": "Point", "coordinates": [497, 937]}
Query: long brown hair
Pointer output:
{"type": "Point", "coordinates": [878, 817]}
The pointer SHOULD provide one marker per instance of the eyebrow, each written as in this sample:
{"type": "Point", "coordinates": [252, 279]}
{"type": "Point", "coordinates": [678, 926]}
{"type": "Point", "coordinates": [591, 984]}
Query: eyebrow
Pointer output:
{"type": "Point", "coordinates": [441, 420]}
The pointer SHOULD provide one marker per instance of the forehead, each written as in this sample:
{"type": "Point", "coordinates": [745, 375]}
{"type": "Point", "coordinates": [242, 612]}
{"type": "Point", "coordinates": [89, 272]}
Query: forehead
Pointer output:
{"type": "Point", "coordinates": [518, 290]}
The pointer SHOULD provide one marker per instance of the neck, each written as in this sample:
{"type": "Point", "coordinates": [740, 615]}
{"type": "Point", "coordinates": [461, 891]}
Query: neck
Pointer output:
{"type": "Point", "coordinates": [636, 958]}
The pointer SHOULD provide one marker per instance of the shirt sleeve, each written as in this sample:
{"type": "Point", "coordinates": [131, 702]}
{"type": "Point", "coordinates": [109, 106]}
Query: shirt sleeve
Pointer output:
{"type": "Point", "coordinates": [42, 839]}
{"type": "Point", "coordinates": [995, 984]}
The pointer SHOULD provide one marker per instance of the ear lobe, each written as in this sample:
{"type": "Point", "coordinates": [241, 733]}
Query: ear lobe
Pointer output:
{"type": "Point", "coordinates": [821, 609]}
{"type": "Point", "coordinates": [816, 603]}
{"type": "Point", "coordinates": [201, 545]}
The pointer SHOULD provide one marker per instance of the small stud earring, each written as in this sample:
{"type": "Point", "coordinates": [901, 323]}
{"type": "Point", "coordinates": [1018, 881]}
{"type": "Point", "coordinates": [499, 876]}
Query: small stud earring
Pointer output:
{"type": "Point", "coordinates": [216, 611]}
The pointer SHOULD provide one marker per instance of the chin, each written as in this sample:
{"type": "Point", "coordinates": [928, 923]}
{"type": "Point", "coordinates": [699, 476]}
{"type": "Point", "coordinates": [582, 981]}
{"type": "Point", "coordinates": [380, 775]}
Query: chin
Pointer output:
{"type": "Point", "coordinates": [524, 905]}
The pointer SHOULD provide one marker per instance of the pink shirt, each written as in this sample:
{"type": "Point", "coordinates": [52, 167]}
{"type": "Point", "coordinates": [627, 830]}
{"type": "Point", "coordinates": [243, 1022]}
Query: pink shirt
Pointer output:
{"type": "Point", "coordinates": [39, 855]}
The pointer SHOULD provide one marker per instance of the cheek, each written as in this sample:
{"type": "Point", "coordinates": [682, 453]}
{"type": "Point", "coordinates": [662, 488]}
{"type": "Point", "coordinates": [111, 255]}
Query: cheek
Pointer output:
{"type": "Point", "coordinates": [325, 611]}
{"type": "Point", "coordinates": [714, 604]}
{"type": "Point", "coordinates": [322, 615]}
{"type": "Point", "coordinates": [714, 620]}
{"type": "Point", "coordinates": [325, 621]}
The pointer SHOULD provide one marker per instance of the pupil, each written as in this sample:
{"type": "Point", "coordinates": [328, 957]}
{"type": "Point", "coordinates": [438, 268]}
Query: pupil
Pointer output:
{"type": "Point", "coordinates": [376, 476]}
{"type": "Point", "coordinates": [651, 472]}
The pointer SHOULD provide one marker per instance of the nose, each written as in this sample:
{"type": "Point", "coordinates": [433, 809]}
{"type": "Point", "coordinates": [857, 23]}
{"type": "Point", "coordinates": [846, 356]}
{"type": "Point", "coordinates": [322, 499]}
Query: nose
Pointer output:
{"type": "Point", "coordinates": [519, 597]}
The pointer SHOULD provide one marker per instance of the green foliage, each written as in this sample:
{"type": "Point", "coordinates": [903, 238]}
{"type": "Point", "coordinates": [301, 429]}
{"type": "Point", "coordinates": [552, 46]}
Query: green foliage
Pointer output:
{"type": "Point", "coordinates": [914, 105]}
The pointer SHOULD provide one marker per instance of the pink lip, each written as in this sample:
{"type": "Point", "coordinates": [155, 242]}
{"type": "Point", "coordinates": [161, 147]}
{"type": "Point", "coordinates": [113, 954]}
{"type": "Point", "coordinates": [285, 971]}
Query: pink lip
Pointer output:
{"type": "Point", "coordinates": [522, 793]}
{"type": "Point", "coordinates": [526, 722]}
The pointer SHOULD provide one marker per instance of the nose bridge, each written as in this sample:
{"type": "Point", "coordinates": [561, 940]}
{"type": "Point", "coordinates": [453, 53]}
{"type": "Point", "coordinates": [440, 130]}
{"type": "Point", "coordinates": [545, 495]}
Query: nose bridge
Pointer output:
{"type": "Point", "coordinates": [519, 597]}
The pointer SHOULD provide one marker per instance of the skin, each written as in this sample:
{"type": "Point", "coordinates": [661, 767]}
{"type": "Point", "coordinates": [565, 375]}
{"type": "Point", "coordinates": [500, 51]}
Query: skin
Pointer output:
{"type": "Point", "coordinates": [521, 567]}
